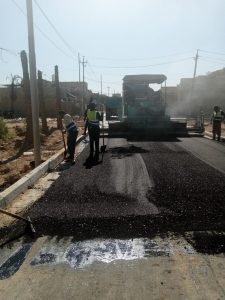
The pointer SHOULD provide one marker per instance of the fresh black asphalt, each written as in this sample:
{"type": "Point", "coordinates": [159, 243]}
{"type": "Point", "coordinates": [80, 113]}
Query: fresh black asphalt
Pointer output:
{"type": "Point", "coordinates": [183, 193]}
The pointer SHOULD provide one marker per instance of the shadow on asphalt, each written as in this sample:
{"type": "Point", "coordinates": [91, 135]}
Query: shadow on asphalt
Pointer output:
{"type": "Point", "coordinates": [149, 138]}
{"type": "Point", "coordinates": [207, 242]}
{"type": "Point", "coordinates": [129, 150]}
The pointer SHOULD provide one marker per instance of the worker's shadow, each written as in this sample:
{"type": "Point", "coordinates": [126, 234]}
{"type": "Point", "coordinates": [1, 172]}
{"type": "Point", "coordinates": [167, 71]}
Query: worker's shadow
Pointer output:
{"type": "Point", "coordinates": [89, 163]}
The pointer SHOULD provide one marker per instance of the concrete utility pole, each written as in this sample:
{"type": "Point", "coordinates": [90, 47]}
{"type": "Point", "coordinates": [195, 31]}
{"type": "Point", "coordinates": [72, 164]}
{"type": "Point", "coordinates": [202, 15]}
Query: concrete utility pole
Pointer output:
{"type": "Point", "coordinates": [33, 85]}
{"type": "Point", "coordinates": [79, 65]}
{"type": "Point", "coordinates": [108, 87]}
{"type": "Point", "coordinates": [195, 70]}
{"type": "Point", "coordinates": [58, 98]}
{"type": "Point", "coordinates": [101, 84]}
{"type": "Point", "coordinates": [82, 109]}
{"type": "Point", "coordinates": [196, 62]}
{"type": "Point", "coordinates": [42, 103]}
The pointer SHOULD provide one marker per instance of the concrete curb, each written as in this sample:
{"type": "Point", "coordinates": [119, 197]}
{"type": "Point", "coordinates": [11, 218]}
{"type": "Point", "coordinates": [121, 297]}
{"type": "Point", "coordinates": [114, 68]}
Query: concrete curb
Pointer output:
{"type": "Point", "coordinates": [9, 194]}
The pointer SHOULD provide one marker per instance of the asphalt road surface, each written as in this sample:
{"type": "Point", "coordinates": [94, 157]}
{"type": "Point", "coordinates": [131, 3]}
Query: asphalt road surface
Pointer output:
{"type": "Point", "coordinates": [145, 223]}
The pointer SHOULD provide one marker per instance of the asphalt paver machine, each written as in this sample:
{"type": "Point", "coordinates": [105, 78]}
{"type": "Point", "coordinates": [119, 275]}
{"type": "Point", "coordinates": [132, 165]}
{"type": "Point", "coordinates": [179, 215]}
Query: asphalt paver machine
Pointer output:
{"type": "Point", "coordinates": [144, 110]}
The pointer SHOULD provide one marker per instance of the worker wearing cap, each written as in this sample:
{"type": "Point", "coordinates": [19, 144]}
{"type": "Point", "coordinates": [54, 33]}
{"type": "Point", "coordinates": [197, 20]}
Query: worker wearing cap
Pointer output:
{"type": "Point", "coordinates": [72, 132]}
{"type": "Point", "coordinates": [93, 118]}
{"type": "Point", "coordinates": [216, 120]}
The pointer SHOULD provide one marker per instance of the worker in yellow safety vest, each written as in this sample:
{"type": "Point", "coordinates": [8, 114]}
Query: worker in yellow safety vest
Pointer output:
{"type": "Point", "coordinates": [93, 118]}
{"type": "Point", "coordinates": [216, 120]}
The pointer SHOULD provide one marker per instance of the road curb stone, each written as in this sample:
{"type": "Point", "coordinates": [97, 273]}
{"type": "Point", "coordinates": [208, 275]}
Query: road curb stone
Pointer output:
{"type": "Point", "coordinates": [9, 194]}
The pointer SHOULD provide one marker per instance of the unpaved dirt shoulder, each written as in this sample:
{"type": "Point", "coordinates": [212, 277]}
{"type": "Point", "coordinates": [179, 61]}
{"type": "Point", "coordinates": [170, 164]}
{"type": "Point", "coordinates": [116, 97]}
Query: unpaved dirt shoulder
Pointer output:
{"type": "Point", "coordinates": [14, 167]}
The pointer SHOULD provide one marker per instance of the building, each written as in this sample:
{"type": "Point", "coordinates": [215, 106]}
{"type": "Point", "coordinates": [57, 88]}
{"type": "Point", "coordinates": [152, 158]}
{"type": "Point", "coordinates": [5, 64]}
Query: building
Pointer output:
{"type": "Point", "coordinates": [72, 95]}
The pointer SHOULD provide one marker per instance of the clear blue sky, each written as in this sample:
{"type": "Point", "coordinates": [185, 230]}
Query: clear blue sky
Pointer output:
{"type": "Point", "coordinates": [117, 37]}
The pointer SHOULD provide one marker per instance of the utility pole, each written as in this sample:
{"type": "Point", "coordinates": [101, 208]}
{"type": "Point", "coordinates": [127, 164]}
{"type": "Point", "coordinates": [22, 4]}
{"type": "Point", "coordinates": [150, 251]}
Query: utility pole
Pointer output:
{"type": "Point", "coordinates": [82, 108]}
{"type": "Point", "coordinates": [42, 103]}
{"type": "Point", "coordinates": [195, 69]}
{"type": "Point", "coordinates": [79, 65]}
{"type": "Point", "coordinates": [33, 84]}
{"type": "Point", "coordinates": [196, 62]}
{"type": "Point", "coordinates": [108, 87]}
{"type": "Point", "coordinates": [101, 84]}
{"type": "Point", "coordinates": [58, 98]}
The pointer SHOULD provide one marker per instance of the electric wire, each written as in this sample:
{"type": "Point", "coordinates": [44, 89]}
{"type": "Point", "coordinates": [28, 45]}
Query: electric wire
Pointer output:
{"type": "Point", "coordinates": [41, 31]}
{"type": "Point", "coordinates": [211, 52]}
{"type": "Point", "coordinates": [55, 29]}
{"type": "Point", "coordinates": [113, 67]}
{"type": "Point", "coordinates": [214, 58]}
{"type": "Point", "coordinates": [141, 59]}
{"type": "Point", "coordinates": [142, 66]}
{"type": "Point", "coordinates": [9, 51]}
{"type": "Point", "coordinates": [213, 61]}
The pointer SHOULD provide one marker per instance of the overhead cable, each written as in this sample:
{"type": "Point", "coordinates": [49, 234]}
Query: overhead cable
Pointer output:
{"type": "Point", "coordinates": [141, 59]}
{"type": "Point", "coordinates": [143, 66]}
{"type": "Point", "coordinates": [217, 53]}
{"type": "Point", "coordinates": [213, 61]}
{"type": "Point", "coordinates": [9, 51]}
{"type": "Point", "coordinates": [45, 35]}
{"type": "Point", "coordinates": [55, 29]}
{"type": "Point", "coordinates": [214, 58]}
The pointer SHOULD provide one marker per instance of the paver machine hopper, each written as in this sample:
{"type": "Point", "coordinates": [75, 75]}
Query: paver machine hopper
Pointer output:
{"type": "Point", "coordinates": [144, 110]}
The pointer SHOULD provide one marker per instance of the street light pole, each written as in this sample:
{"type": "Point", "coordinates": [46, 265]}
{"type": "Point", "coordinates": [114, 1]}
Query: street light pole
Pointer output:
{"type": "Point", "coordinates": [33, 84]}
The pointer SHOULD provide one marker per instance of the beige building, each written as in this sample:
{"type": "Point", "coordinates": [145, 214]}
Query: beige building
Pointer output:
{"type": "Point", "coordinates": [71, 94]}
{"type": "Point", "coordinates": [190, 97]}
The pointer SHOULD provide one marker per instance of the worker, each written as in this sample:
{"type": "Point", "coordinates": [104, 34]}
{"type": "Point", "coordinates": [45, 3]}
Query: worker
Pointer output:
{"type": "Point", "coordinates": [85, 116]}
{"type": "Point", "coordinates": [216, 120]}
{"type": "Point", "coordinates": [93, 118]}
{"type": "Point", "coordinates": [72, 132]}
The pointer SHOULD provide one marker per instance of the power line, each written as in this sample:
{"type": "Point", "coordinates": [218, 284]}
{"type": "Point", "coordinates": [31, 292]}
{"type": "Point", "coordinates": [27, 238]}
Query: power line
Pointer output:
{"type": "Point", "coordinates": [143, 66]}
{"type": "Point", "coordinates": [141, 59]}
{"type": "Point", "coordinates": [90, 67]}
{"type": "Point", "coordinates": [213, 61]}
{"type": "Point", "coordinates": [108, 82]}
{"type": "Point", "coordinates": [9, 51]}
{"type": "Point", "coordinates": [217, 53]}
{"type": "Point", "coordinates": [218, 59]}
{"type": "Point", "coordinates": [55, 29]}
{"type": "Point", "coordinates": [45, 35]}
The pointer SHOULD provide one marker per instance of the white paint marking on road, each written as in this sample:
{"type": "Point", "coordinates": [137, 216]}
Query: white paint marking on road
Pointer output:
{"type": "Point", "coordinates": [84, 253]}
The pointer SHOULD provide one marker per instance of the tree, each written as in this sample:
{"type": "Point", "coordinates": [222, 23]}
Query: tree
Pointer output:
{"type": "Point", "coordinates": [15, 82]}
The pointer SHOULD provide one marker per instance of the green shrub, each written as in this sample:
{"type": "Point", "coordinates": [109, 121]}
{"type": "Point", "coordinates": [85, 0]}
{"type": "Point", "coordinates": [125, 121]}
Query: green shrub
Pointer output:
{"type": "Point", "coordinates": [3, 129]}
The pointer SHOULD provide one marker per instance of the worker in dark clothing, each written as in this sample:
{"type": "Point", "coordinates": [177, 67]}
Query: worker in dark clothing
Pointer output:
{"type": "Point", "coordinates": [72, 132]}
{"type": "Point", "coordinates": [93, 118]}
{"type": "Point", "coordinates": [85, 116]}
{"type": "Point", "coordinates": [216, 120]}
